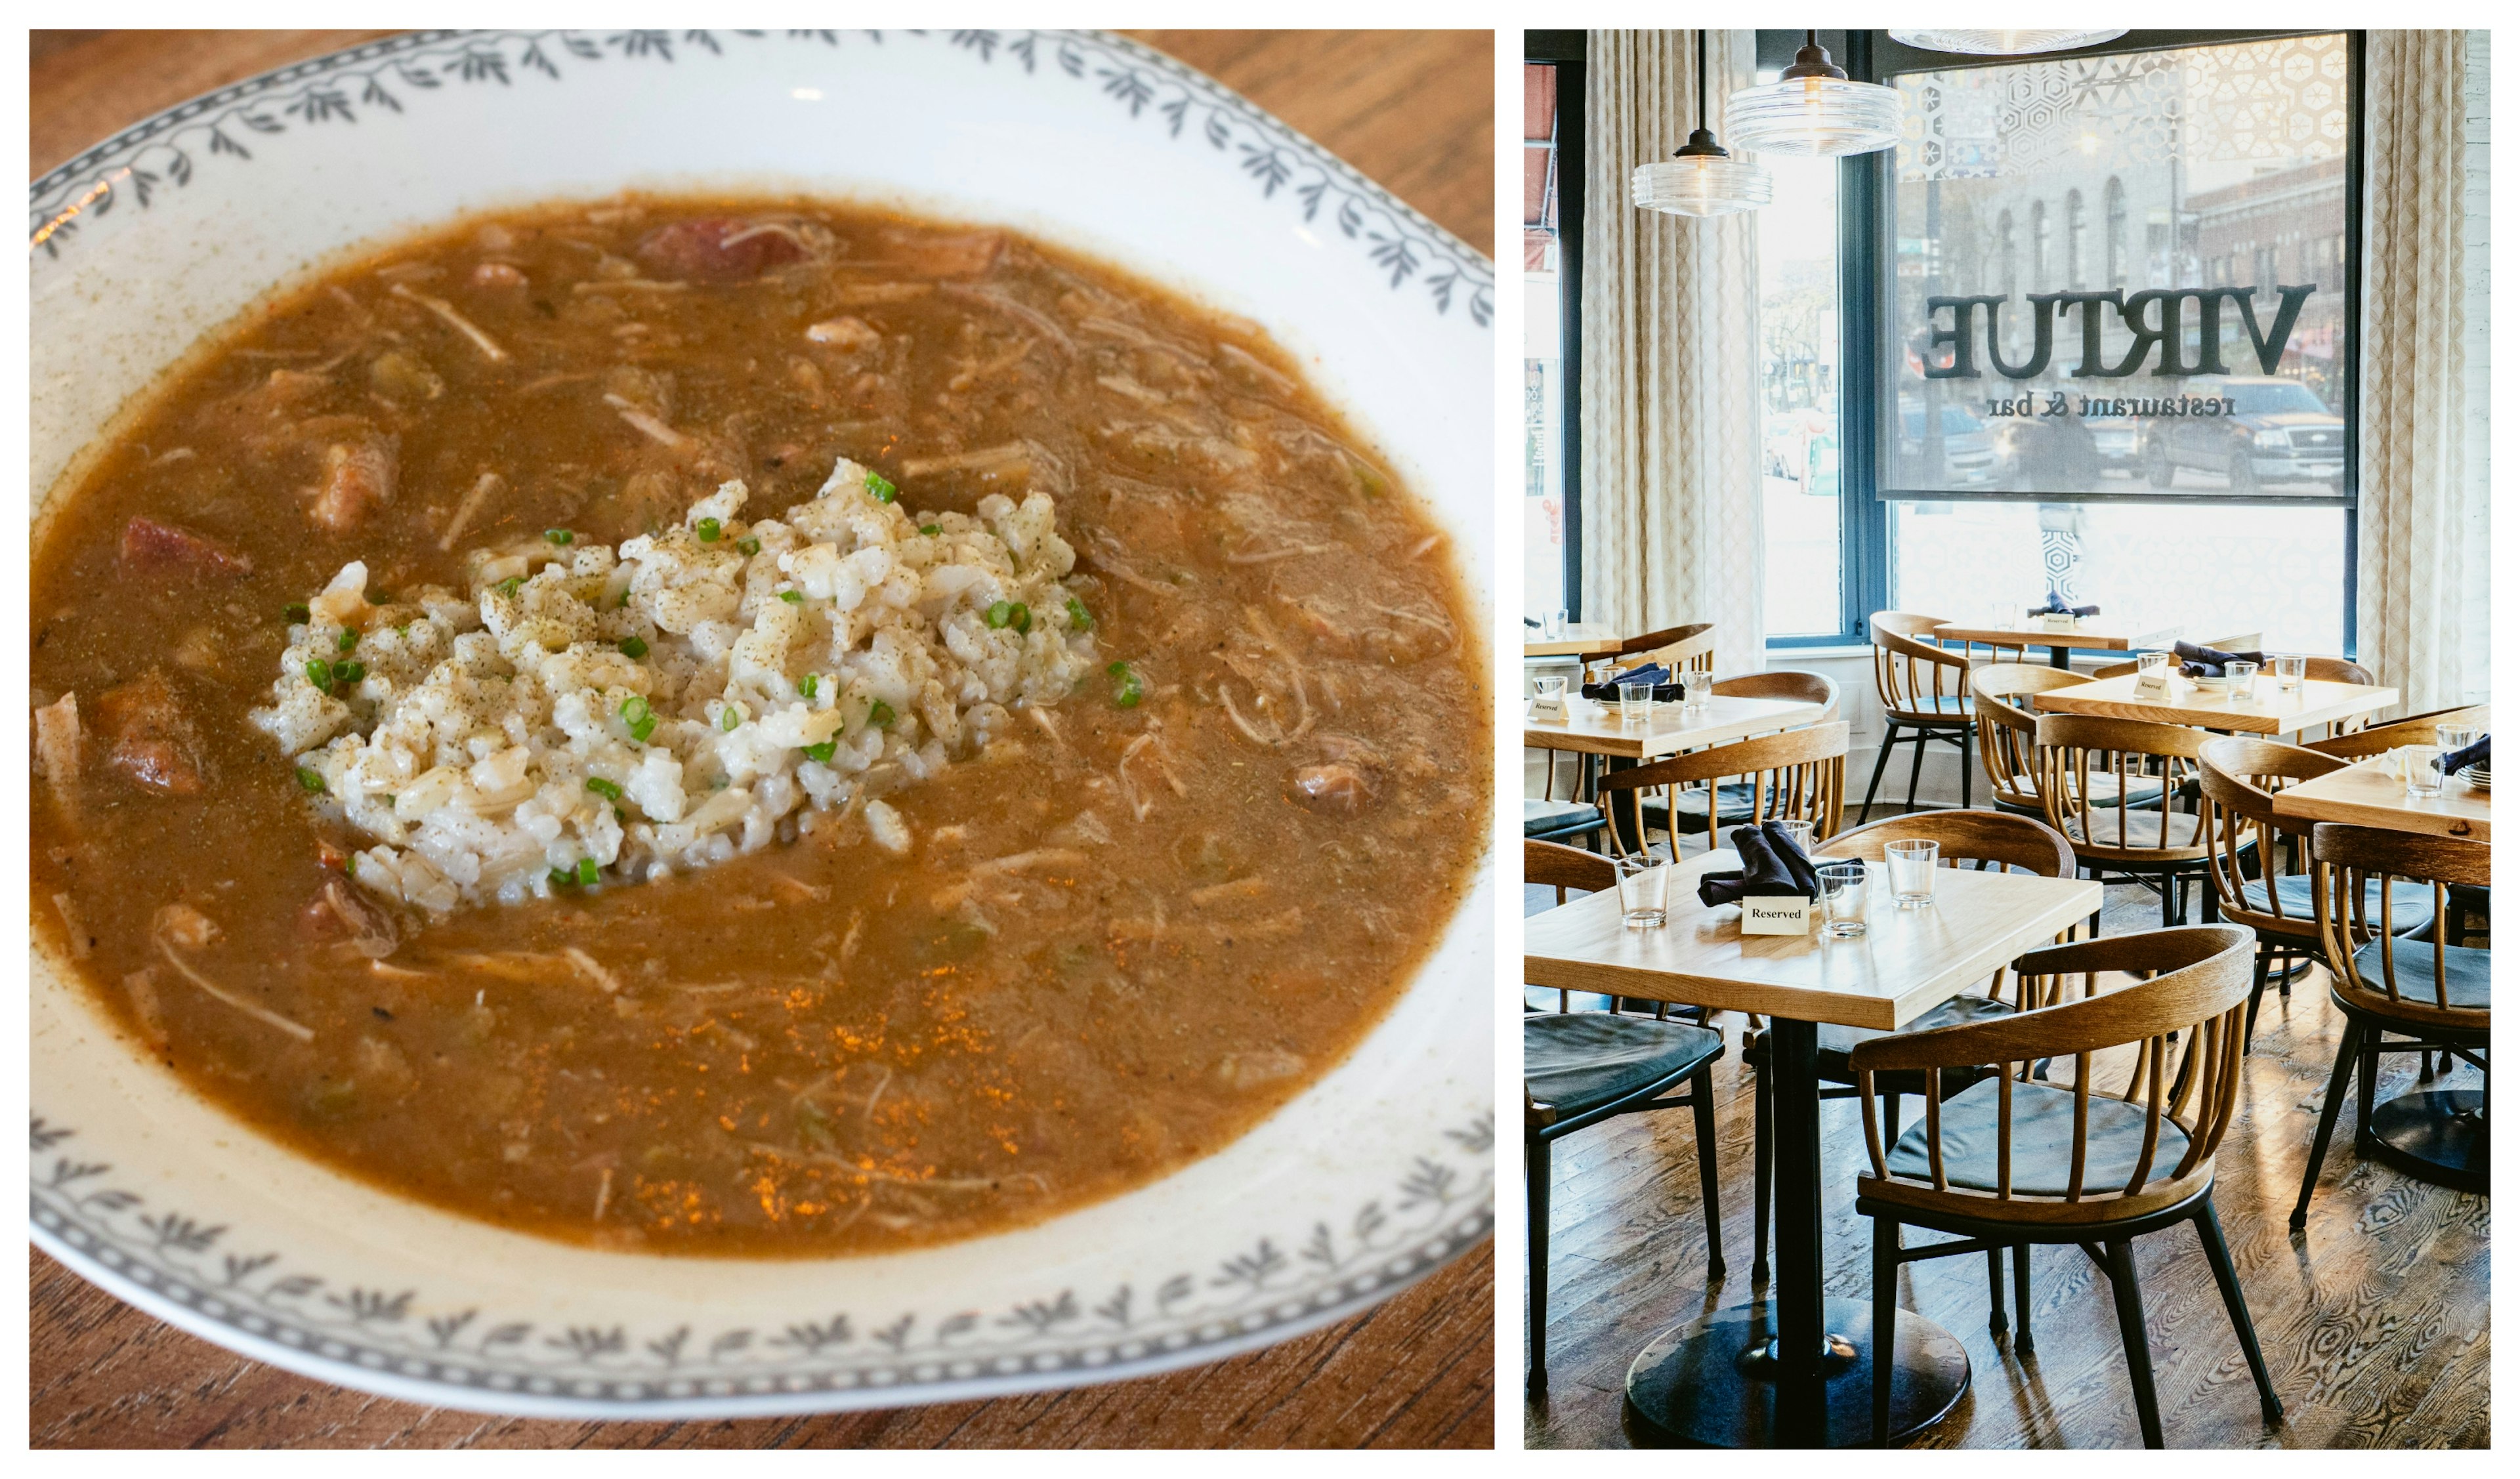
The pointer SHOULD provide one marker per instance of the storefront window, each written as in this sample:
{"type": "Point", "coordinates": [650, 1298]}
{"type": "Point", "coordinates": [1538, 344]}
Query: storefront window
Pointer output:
{"type": "Point", "coordinates": [1544, 359]}
{"type": "Point", "coordinates": [1798, 334]}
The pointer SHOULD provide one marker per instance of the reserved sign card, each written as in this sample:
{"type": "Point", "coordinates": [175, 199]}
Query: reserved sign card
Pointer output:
{"type": "Point", "coordinates": [1776, 915]}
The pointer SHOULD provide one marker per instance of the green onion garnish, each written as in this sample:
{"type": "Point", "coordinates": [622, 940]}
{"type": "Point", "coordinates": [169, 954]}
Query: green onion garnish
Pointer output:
{"type": "Point", "coordinates": [931, 529]}
{"type": "Point", "coordinates": [641, 719]}
{"type": "Point", "coordinates": [883, 491]}
{"type": "Point", "coordinates": [350, 864]}
{"type": "Point", "coordinates": [510, 585]}
{"type": "Point", "coordinates": [708, 529]}
{"type": "Point", "coordinates": [634, 646]}
{"type": "Point", "coordinates": [602, 788]}
{"type": "Point", "coordinates": [310, 781]}
{"type": "Point", "coordinates": [880, 714]}
{"type": "Point", "coordinates": [320, 673]}
{"type": "Point", "coordinates": [347, 640]}
{"type": "Point", "coordinates": [297, 610]}
{"type": "Point", "coordinates": [586, 871]}
{"type": "Point", "coordinates": [999, 615]}
{"type": "Point", "coordinates": [728, 718]}
{"type": "Point", "coordinates": [349, 672]}
{"type": "Point", "coordinates": [559, 880]}
{"type": "Point", "coordinates": [1126, 689]}
{"type": "Point", "coordinates": [749, 546]}
{"type": "Point", "coordinates": [793, 598]}
{"type": "Point", "coordinates": [822, 753]}
{"type": "Point", "coordinates": [560, 536]}
{"type": "Point", "coordinates": [808, 686]}
{"type": "Point", "coordinates": [1079, 617]}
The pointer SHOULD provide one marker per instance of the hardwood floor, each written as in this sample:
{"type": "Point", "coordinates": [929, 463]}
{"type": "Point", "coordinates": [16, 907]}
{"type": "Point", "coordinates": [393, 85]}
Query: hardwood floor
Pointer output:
{"type": "Point", "coordinates": [2373, 1319]}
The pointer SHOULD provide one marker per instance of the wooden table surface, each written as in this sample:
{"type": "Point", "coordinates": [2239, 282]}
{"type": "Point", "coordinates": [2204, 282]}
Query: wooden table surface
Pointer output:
{"type": "Point", "coordinates": [1906, 963]}
{"type": "Point", "coordinates": [1582, 641]}
{"type": "Point", "coordinates": [1595, 728]}
{"type": "Point", "coordinates": [1413, 109]}
{"type": "Point", "coordinates": [2091, 634]}
{"type": "Point", "coordinates": [2270, 711]}
{"type": "Point", "coordinates": [2367, 794]}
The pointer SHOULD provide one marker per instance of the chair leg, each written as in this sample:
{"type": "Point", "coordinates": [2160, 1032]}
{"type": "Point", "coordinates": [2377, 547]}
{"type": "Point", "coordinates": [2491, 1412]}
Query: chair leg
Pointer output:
{"type": "Point", "coordinates": [1886, 1321]}
{"type": "Point", "coordinates": [1535, 1156]}
{"type": "Point", "coordinates": [1995, 1292]}
{"type": "Point", "coordinates": [1763, 1164]}
{"type": "Point", "coordinates": [1916, 767]}
{"type": "Point", "coordinates": [2209, 908]}
{"type": "Point", "coordinates": [2257, 990]}
{"type": "Point", "coordinates": [2349, 1056]}
{"type": "Point", "coordinates": [2021, 1345]}
{"type": "Point", "coordinates": [2169, 910]}
{"type": "Point", "coordinates": [2367, 1089]}
{"type": "Point", "coordinates": [2209, 1231]}
{"type": "Point", "coordinates": [1969, 762]}
{"type": "Point", "coordinates": [1889, 738]}
{"type": "Point", "coordinates": [1702, 1094]}
{"type": "Point", "coordinates": [2139, 1345]}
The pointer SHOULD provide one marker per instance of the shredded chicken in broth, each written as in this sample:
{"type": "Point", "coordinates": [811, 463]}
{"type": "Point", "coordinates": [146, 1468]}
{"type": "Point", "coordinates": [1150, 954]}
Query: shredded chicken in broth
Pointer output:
{"type": "Point", "coordinates": [1195, 792]}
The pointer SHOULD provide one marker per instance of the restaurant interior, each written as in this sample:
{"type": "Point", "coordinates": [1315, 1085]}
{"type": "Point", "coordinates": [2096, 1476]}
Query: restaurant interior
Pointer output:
{"type": "Point", "coordinates": [2006, 770]}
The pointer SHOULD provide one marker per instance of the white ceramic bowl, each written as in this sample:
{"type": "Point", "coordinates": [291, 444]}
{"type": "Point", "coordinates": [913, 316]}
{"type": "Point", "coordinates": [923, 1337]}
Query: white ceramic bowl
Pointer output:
{"type": "Point", "coordinates": [1379, 1173]}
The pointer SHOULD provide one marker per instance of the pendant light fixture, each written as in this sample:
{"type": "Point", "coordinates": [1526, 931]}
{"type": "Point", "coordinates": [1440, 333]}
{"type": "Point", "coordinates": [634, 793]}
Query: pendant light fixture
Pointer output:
{"type": "Point", "coordinates": [1701, 179]}
{"type": "Point", "coordinates": [2002, 43]}
{"type": "Point", "coordinates": [1813, 110]}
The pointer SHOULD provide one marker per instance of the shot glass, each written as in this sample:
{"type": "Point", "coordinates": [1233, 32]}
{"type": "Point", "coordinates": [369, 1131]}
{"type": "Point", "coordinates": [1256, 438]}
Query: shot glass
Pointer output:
{"type": "Point", "coordinates": [2244, 680]}
{"type": "Point", "coordinates": [1556, 625]}
{"type": "Point", "coordinates": [1911, 871]}
{"type": "Point", "coordinates": [1694, 686]}
{"type": "Point", "coordinates": [1843, 896]}
{"type": "Point", "coordinates": [1636, 700]}
{"type": "Point", "coordinates": [1645, 890]}
{"type": "Point", "coordinates": [2415, 766]}
{"type": "Point", "coordinates": [2288, 672]}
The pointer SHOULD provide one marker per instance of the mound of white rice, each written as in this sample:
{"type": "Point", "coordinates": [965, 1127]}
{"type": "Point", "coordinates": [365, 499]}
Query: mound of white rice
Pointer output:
{"type": "Point", "coordinates": [588, 714]}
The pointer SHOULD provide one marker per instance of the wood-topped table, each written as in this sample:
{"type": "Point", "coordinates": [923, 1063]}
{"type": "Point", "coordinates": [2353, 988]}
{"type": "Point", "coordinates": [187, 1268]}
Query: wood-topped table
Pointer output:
{"type": "Point", "coordinates": [1667, 729]}
{"type": "Point", "coordinates": [1414, 110]}
{"type": "Point", "coordinates": [2089, 634]}
{"type": "Point", "coordinates": [2268, 711]}
{"type": "Point", "coordinates": [1581, 642]}
{"type": "Point", "coordinates": [1718, 1379]}
{"type": "Point", "coordinates": [2366, 794]}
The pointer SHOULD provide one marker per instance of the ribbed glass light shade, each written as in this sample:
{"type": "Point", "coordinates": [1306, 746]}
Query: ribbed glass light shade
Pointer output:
{"type": "Point", "coordinates": [1824, 116]}
{"type": "Point", "coordinates": [2002, 43]}
{"type": "Point", "coordinates": [1703, 185]}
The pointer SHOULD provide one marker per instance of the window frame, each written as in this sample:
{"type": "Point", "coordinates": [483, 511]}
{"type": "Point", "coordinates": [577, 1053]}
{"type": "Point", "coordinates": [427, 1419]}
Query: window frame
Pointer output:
{"type": "Point", "coordinates": [1565, 50]}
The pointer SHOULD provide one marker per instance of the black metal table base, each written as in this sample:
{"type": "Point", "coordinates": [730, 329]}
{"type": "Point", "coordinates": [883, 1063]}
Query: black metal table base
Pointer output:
{"type": "Point", "coordinates": [2437, 1136]}
{"type": "Point", "coordinates": [1708, 1383]}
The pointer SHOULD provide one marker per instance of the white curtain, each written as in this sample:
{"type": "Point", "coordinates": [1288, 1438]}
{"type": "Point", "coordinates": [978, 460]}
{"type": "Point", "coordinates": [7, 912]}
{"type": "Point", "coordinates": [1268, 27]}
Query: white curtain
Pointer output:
{"type": "Point", "coordinates": [2423, 578]}
{"type": "Point", "coordinates": [1671, 499]}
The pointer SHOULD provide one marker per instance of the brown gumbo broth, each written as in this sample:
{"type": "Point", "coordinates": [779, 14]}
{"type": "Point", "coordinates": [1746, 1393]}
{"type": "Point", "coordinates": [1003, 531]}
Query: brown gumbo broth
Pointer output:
{"type": "Point", "coordinates": [1103, 958]}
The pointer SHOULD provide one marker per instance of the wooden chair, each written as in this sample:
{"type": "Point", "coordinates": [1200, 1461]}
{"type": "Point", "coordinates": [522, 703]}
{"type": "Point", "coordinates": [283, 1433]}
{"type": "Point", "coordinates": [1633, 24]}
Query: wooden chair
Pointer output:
{"type": "Point", "coordinates": [2006, 744]}
{"type": "Point", "coordinates": [2255, 859]}
{"type": "Point", "coordinates": [1675, 647]}
{"type": "Point", "coordinates": [2421, 729]}
{"type": "Point", "coordinates": [1924, 688]}
{"type": "Point", "coordinates": [2013, 1161]}
{"type": "Point", "coordinates": [1581, 1068]}
{"type": "Point", "coordinates": [1796, 774]}
{"type": "Point", "coordinates": [1975, 838]}
{"type": "Point", "coordinates": [1784, 682]}
{"type": "Point", "coordinates": [2438, 994]}
{"type": "Point", "coordinates": [2092, 774]}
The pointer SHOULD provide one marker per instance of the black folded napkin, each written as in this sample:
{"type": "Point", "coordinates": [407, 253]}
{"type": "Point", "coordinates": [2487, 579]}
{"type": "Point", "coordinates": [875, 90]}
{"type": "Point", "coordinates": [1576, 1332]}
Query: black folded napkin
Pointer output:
{"type": "Point", "coordinates": [2057, 606]}
{"type": "Point", "coordinates": [1772, 866]}
{"type": "Point", "coordinates": [2207, 663]}
{"type": "Point", "coordinates": [1666, 685]}
{"type": "Point", "coordinates": [2479, 753]}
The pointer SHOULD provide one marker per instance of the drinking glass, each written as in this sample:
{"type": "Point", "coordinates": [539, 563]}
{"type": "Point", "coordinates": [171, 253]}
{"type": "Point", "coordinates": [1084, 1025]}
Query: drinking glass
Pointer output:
{"type": "Point", "coordinates": [1842, 895]}
{"type": "Point", "coordinates": [2288, 672]}
{"type": "Point", "coordinates": [2415, 766]}
{"type": "Point", "coordinates": [1694, 684]}
{"type": "Point", "coordinates": [2457, 737]}
{"type": "Point", "coordinates": [1634, 700]}
{"type": "Point", "coordinates": [1552, 694]}
{"type": "Point", "coordinates": [1556, 627]}
{"type": "Point", "coordinates": [1911, 871]}
{"type": "Point", "coordinates": [2151, 668]}
{"type": "Point", "coordinates": [1800, 832]}
{"type": "Point", "coordinates": [2244, 680]}
{"type": "Point", "coordinates": [1644, 889]}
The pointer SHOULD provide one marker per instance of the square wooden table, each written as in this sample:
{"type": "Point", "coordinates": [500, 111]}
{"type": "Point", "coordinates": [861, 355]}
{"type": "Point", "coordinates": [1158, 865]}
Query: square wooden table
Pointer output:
{"type": "Point", "coordinates": [1717, 1379]}
{"type": "Point", "coordinates": [2270, 711]}
{"type": "Point", "coordinates": [2089, 634]}
{"type": "Point", "coordinates": [2366, 794]}
{"type": "Point", "coordinates": [1581, 642]}
{"type": "Point", "coordinates": [1595, 728]}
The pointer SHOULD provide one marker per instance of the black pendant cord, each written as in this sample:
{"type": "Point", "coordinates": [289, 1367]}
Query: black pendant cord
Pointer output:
{"type": "Point", "coordinates": [1701, 144]}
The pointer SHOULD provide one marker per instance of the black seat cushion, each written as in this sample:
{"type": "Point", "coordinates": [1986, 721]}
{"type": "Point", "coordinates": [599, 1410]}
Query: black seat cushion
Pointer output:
{"type": "Point", "coordinates": [1733, 802]}
{"type": "Point", "coordinates": [2042, 1141]}
{"type": "Point", "coordinates": [1580, 1060]}
{"type": "Point", "coordinates": [1540, 818]}
{"type": "Point", "coordinates": [2411, 905]}
{"type": "Point", "coordinates": [1836, 1041]}
{"type": "Point", "coordinates": [1937, 708]}
{"type": "Point", "coordinates": [2470, 973]}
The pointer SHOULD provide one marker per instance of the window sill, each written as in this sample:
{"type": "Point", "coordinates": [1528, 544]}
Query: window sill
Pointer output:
{"type": "Point", "coordinates": [1786, 656]}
